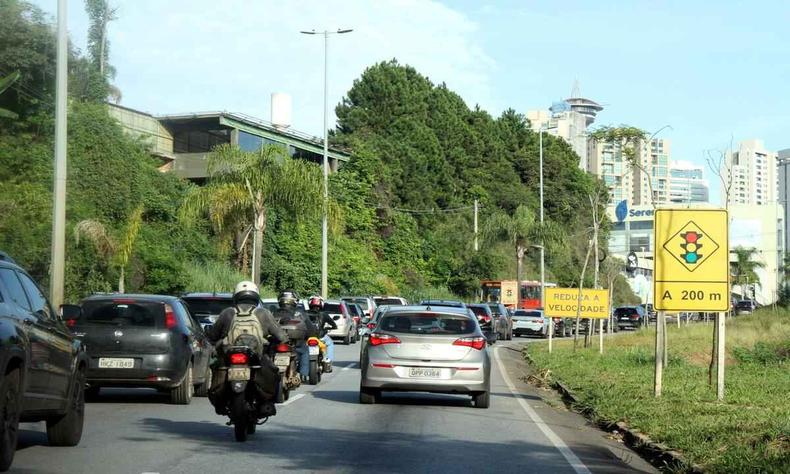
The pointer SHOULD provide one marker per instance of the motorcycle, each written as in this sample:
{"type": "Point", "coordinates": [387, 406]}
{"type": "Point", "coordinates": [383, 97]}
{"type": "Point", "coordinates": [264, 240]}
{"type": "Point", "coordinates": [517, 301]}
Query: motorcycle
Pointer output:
{"type": "Point", "coordinates": [318, 364]}
{"type": "Point", "coordinates": [285, 360]}
{"type": "Point", "coordinates": [242, 397]}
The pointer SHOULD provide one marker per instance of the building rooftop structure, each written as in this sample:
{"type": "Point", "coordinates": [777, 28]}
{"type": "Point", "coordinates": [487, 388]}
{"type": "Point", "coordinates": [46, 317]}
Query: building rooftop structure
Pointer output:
{"type": "Point", "coordinates": [183, 141]}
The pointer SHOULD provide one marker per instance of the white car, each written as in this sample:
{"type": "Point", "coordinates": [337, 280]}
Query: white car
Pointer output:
{"type": "Point", "coordinates": [346, 327]}
{"type": "Point", "coordinates": [530, 321]}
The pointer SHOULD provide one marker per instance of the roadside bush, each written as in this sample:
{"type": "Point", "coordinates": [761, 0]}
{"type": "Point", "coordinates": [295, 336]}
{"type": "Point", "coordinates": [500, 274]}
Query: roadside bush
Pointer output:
{"type": "Point", "coordinates": [764, 353]}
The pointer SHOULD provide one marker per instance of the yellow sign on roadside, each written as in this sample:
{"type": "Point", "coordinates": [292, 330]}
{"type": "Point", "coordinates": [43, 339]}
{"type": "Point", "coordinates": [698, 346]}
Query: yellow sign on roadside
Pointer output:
{"type": "Point", "coordinates": [691, 260]}
{"type": "Point", "coordinates": [564, 303]}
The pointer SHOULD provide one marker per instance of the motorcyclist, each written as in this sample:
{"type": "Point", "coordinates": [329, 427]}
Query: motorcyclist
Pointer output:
{"type": "Point", "coordinates": [288, 311]}
{"type": "Point", "coordinates": [322, 320]}
{"type": "Point", "coordinates": [246, 300]}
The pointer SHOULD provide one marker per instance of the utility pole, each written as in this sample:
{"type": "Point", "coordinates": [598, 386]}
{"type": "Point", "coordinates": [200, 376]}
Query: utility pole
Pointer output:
{"type": "Point", "coordinates": [543, 248]}
{"type": "Point", "coordinates": [58, 255]}
{"type": "Point", "coordinates": [476, 244]}
{"type": "Point", "coordinates": [324, 223]}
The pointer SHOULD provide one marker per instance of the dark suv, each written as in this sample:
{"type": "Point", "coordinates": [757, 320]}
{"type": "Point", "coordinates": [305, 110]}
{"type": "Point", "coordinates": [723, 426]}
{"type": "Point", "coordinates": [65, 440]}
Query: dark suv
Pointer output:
{"type": "Point", "coordinates": [43, 365]}
{"type": "Point", "coordinates": [142, 341]}
{"type": "Point", "coordinates": [630, 317]}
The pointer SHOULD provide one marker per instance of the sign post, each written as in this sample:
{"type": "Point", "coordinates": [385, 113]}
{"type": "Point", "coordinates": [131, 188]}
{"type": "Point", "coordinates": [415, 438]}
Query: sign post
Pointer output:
{"type": "Point", "coordinates": [691, 264]}
{"type": "Point", "coordinates": [564, 303]}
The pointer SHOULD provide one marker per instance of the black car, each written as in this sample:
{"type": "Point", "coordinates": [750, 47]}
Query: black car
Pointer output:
{"type": "Point", "coordinates": [488, 322]}
{"type": "Point", "coordinates": [142, 341]}
{"type": "Point", "coordinates": [505, 327]}
{"type": "Point", "coordinates": [630, 317]}
{"type": "Point", "coordinates": [205, 307]}
{"type": "Point", "coordinates": [745, 307]}
{"type": "Point", "coordinates": [43, 365]}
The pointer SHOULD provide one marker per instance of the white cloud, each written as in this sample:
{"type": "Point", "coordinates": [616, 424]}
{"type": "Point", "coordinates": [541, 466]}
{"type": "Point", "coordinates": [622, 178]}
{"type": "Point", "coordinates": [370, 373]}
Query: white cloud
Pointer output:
{"type": "Point", "coordinates": [183, 56]}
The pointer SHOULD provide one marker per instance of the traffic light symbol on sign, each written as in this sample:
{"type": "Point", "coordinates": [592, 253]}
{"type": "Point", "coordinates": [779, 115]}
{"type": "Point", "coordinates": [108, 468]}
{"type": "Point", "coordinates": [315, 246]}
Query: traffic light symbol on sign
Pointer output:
{"type": "Point", "coordinates": [691, 245]}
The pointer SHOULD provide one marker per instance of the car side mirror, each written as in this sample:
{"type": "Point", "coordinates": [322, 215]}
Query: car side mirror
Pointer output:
{"type": "Point", "coordinates": [70, 311]}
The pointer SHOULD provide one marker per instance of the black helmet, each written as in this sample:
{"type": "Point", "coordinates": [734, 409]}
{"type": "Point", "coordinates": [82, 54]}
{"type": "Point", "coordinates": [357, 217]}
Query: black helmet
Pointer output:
{"type": "Point", "coordinates": [246, 292]}
{"type": "Point", "coordinates": [287, 298]}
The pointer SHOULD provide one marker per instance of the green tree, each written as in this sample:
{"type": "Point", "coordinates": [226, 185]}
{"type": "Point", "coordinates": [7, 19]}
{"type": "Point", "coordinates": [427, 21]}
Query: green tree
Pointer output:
{"type": "Point", "coordinates": [519, 229]}
{"type": "Point", "coordinates": [5, 83]}
{"type": "Point", "coordinates": [100, 14]}
{"type": "Point", "coordinates": [244, 186]}
{"type": "Point", "coordinates": [744, 268]}
{"type": "Point", "coordinates": [115, 249]}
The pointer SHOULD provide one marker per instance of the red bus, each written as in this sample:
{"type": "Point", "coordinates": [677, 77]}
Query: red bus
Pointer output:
{"type": "Point", "coordinates": [504, 291]}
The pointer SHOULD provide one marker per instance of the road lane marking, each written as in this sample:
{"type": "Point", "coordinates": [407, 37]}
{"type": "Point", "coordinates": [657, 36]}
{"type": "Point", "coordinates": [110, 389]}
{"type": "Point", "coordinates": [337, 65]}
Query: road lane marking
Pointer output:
{"type": "Point", "coordinates": [558, 443]}
{"type": "Point", "coordinates": [292, 399]}
{"type": "Point", "coordinates": [349, 367]}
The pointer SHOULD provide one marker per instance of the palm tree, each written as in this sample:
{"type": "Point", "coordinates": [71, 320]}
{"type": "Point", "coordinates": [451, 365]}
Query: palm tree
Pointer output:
{"type": "Point", "coordinates": [519, 229]}
{"type": "Point", "coordinates": [115, 249]}
{"type": "Point", "coordinates": [5, 83]}
{"type": "Point", "coordinates": [243, 186]}
{"type": "Point", "coordinates": [744, 267]}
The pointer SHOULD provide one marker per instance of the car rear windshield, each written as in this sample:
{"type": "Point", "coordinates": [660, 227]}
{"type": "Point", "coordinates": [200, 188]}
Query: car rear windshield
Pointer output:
{"type": "Point", "coordinates": [479, 310]}
{"type": "Point", "coordinates": [388, 301]}
{"type": "Point", "coordinates": [353, 309]}
{"type": "Point", "coordinates": [209, 305]}
{"type": "Point", "coordinates": [427, 323]}
{"type": "Point", "coordinates": [744, 304]}
{"type": "Point", "coordinates": [332, 308]}
{"type": "Point", "coordinates": [362, 302]}
{"type": "Point", "coordinates": [528, 314]}
{"type": "Point", "coordinates": [123, 313]}
{"type": "Point", "coordinates": [625, 311]}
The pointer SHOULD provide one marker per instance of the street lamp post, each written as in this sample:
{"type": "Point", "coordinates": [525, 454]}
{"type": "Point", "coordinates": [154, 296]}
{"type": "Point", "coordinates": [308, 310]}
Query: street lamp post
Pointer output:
{"type": "Point", "coordinates": [324, 225]}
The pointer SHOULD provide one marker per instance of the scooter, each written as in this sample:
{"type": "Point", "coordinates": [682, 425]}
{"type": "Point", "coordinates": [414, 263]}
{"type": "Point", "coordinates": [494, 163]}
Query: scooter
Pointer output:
{"type": "Point", "coordinates": [285, 360]}
{"type": "Point", "coordinates": [242, 397]}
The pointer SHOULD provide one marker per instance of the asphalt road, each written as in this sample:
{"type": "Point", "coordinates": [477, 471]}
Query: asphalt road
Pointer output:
{"type": "Point", "coordinates": [325, 429]}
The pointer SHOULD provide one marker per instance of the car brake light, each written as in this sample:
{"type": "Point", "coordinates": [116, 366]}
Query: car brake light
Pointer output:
{"type": "Point", "coordinates": [379, 339]}
{"type": "Point", "coordinates": [384, 366]}
{"type": "Point", "coordinates": [474, 342]}
{"type": "Point", "coordinates": [123, 301]}
{"type": "Point", "coordinates": [312, 342]}
{"type": "Point", "coordinates": [71, 323]}
{"type": "Point", "coordinates": [486, 318]}
{"type": "Point", "coordinates": [371, 326]}
{"type": "Point", "coordinates": [238, 358]}
{"type": "Point", "coordinates": [283, 348]}
{"type": "Point", "coordinates": [170, 317]}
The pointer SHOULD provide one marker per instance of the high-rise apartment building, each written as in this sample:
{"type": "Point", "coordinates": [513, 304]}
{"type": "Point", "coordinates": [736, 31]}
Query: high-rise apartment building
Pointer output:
{"type": "Point", "coordinates": [783, 196]}
{"type": "Point", "coordinates": [752, 172]}
{"type": "Point", "coordinates": [626, 182]}
{"type": "Point", "coordinates": [686, 183]}
{"type": "Point", "coordinates": [569, 120]}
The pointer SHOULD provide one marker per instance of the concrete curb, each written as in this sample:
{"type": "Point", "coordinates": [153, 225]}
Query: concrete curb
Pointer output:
{"type": "Point", "coordinates": [658, 454]}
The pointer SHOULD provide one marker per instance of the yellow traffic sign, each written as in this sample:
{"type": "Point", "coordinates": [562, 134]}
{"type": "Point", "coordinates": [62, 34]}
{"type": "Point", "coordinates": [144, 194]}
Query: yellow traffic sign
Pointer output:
{"type": "Point", "coordinates": [691, 260]}
{"type": "Point", "coordinates": [563, 303]}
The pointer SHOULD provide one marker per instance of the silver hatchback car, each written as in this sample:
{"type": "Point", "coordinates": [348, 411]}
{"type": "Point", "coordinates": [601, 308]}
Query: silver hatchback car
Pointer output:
{"type": "Point", "coordinates": [426, 349]}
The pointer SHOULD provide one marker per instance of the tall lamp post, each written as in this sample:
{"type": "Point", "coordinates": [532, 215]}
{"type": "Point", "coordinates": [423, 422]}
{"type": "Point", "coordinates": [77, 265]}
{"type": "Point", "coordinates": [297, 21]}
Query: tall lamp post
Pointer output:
{"type": "Point", "coordinates": [324, 226]}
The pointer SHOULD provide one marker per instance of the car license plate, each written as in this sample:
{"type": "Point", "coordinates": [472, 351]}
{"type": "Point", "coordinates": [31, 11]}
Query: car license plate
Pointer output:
{"type": "Point", "coordinates": [419, 372]}
{"type": "Point", "coordinates": [282, 360]}
{"type": "Point", "coordinates": [115, 363]}
{"type": "Point", "coordinates": [314, 350]}
{"type": "Point", "coordinates": [240, 373]}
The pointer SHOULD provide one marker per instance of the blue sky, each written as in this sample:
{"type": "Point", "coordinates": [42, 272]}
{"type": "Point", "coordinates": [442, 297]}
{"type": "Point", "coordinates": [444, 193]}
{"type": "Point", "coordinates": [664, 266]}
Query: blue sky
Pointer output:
{"type": "Point", "coordinates": [710, 69]}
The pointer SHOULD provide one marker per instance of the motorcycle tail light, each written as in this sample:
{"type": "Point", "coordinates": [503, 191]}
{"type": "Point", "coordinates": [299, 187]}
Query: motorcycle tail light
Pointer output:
{"type": "Point", "coordinates": [312, 342]}
{"type": "Point", "coordinates": [283, 348]}
{"type": "Point", "coordinates": [238, 358]}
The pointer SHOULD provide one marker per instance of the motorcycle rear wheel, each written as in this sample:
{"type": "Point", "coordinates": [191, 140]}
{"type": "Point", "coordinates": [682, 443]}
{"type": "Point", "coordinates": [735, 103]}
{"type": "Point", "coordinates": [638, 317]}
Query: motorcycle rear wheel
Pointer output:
{"type": "Point", "coordinates": [238, 414]}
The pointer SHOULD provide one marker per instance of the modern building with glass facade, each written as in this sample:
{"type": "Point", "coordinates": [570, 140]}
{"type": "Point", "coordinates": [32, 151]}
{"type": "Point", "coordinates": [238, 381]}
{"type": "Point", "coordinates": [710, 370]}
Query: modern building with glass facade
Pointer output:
{"type": "Point", "coordinates": [183, 141]}
{"type": "Point", "coordinates": [686, 183]}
